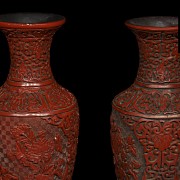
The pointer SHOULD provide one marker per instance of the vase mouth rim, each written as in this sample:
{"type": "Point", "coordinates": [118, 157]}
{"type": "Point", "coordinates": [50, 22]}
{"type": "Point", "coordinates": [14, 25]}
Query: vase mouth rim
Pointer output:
{"type": "Point", "coordinates": [154, 23]}
{"type": "Point", "coordinates": [31, 20]}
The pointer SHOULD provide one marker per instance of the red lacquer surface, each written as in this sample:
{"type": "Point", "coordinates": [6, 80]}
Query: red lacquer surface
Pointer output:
{"type": "Point", "coordinates": [148, 113]}
{"type": "Point", "coordinates": [39, 119]}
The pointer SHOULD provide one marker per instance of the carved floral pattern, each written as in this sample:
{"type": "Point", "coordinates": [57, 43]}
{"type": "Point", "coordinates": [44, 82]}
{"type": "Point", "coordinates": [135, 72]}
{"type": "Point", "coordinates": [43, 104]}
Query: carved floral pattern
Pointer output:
{"type": "Point", "coordinates": [159, 62]}
{"type": "Point", "coordinates": [42, 153]}
{"type": "Point", "coordinates": [36, 152]}
{"type": "Point", "coordinates": [30, 54]}
{"type": "Point", "coordinates": [25, 66]}
{"type": "Point", "coordinates": [161, 143]}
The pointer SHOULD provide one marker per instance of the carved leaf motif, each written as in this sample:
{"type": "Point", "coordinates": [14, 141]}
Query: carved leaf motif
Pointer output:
{"type": "Point", "coordinates": [23, 133]}
{"type": "Point", "coordinates": [131, 146]}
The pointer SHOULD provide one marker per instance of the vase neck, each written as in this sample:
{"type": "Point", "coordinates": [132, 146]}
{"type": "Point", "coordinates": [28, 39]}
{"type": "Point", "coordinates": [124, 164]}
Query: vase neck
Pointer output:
{"type": "Point", "coordinates": [30, 56]}
{"type": "Point", "coordinates": [159, 62]}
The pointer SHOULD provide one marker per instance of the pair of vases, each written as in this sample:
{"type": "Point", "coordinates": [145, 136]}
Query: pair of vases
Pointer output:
{"type": "Point", "coordinates": [39, 119]}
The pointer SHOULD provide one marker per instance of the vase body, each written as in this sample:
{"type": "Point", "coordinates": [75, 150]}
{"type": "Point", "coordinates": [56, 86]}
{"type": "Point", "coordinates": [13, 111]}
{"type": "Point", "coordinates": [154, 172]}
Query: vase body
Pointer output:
{"type": "Point", "coordinates": [39, 119]}
{"type": "Point", "coordinates": [145, 119]}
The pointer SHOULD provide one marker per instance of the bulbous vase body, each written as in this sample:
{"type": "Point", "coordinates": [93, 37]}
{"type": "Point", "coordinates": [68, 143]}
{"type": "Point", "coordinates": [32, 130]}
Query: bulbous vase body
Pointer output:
{"type": "Point", "coordinates": [145, 119]}
{"type": "Point", "coordinates": [39, 119]}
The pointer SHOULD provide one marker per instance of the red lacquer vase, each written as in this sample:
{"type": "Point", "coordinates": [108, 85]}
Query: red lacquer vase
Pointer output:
{"type": "Point", "coordinates": [39, 119]}
{"type": "Point", "coordinates": [145, 119]}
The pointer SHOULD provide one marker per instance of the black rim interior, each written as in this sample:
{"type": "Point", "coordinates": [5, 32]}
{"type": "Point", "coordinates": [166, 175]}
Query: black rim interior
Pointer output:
{"type": "Point", "coordinates": [155, 21]}
{"type": "Point", "coordinates": [30, 18]}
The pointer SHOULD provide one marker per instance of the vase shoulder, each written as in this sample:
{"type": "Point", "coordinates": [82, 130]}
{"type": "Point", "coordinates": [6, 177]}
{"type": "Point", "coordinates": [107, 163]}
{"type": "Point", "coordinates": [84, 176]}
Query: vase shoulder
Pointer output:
{"type": "Point", "coordinates": [148, 102]}
{"type": "Point", "coordinates": [35, 101]}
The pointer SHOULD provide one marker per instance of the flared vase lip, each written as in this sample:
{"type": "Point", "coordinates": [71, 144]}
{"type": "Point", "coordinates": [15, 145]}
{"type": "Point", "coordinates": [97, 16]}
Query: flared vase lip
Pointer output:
{"type": "Point", "coordinates": [153, 23]}
{"type": "Point", "coordinates": [31, 20]}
